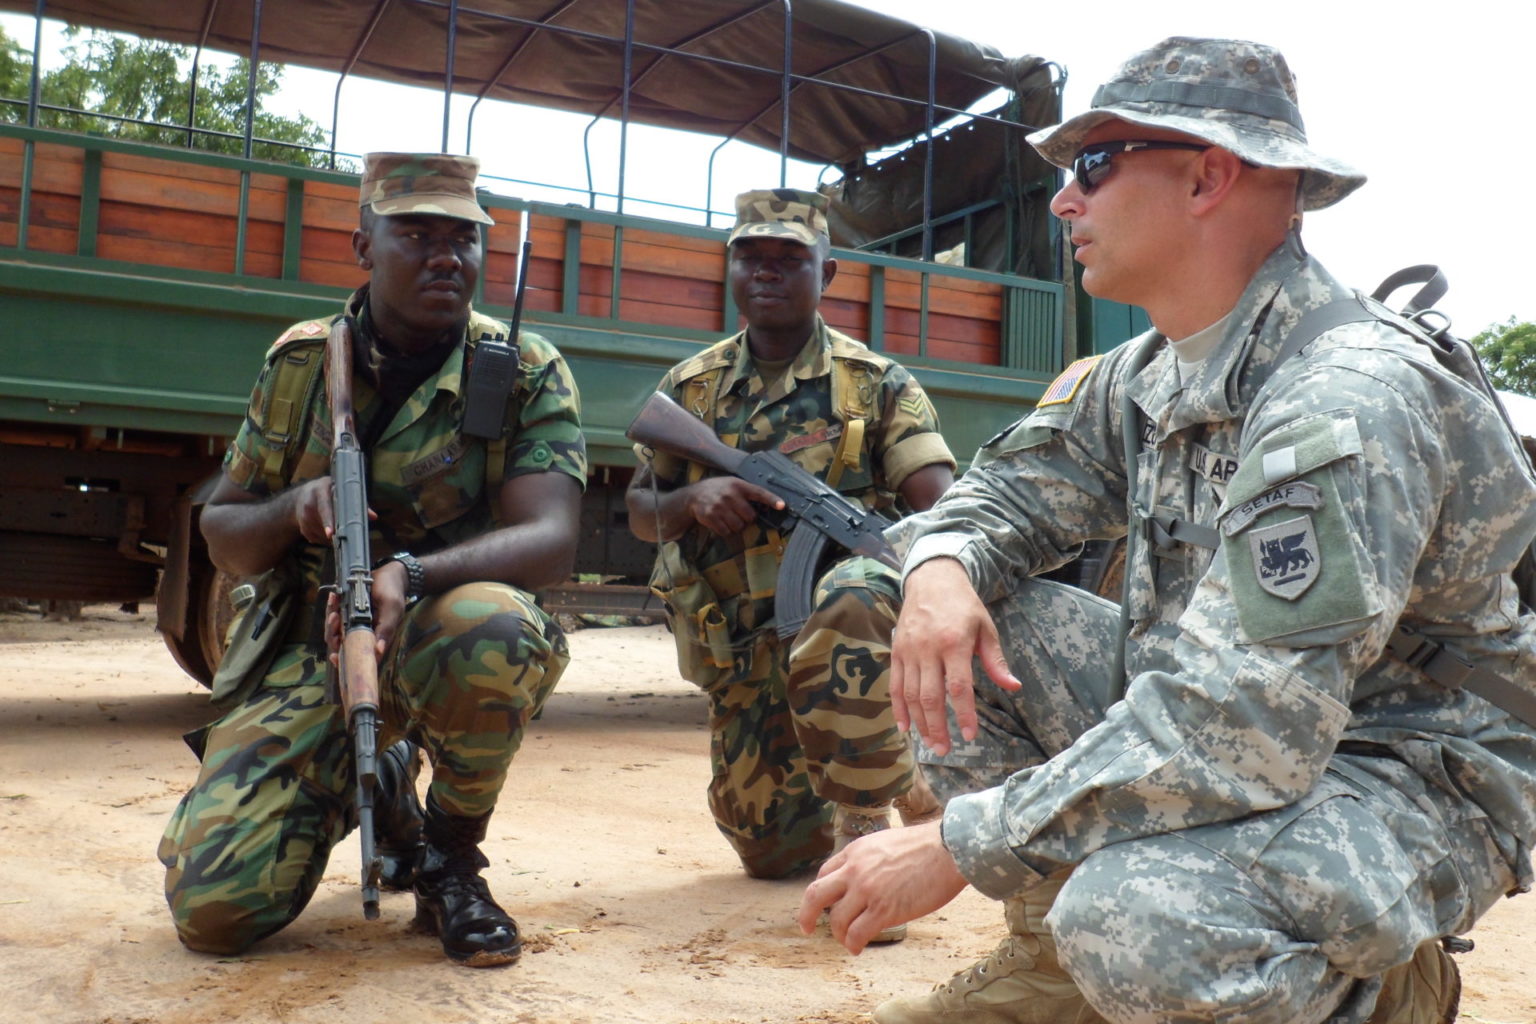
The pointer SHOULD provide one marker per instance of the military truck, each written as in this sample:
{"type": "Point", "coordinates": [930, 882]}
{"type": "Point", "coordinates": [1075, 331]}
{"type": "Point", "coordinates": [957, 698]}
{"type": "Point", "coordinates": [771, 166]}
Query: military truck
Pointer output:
{"type": "Point", "coordinates": [140, 285]}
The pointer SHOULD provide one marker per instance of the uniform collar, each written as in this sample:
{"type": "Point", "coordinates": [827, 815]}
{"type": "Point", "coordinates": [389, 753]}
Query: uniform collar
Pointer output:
{"type": "Point", "coordinates": [1287, 285]}
{"type": "Point", "coordinates": [447, 378]}
{"type": "Point", "coordinates": [813, 360]}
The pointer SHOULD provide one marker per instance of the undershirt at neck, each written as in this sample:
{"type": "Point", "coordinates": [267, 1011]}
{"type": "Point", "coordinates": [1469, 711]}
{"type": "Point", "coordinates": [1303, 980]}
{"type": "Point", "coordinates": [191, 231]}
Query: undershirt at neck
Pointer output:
{"type": "Point", "coordinates": [1191, 351]}
{"type": "Point", "coordinates": [771, 370]}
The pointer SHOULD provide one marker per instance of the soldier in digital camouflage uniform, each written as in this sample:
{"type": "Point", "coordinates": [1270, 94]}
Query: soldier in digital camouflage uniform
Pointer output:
{"type": "Point", "coordinates": [466, 529]}
{"type": "Point", "coordinates": [1286, 810]}
{"type": "Point", "coordinates": [788, 750]}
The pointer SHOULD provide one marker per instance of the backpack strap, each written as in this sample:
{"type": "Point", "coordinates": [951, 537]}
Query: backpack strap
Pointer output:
{"type": "Point", "coordinates": [1441, 663]}
{"type": "Point", "coordinates": [1446, 666]}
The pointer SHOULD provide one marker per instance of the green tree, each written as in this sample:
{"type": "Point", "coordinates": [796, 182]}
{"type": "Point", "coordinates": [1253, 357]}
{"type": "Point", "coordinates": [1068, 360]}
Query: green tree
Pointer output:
{"type": "Point", "coordinates": [1509, 352]}
{"type": "Point", "coordinates": [15, 75]}
{"type": "Point", "coordinates": [141, 89]}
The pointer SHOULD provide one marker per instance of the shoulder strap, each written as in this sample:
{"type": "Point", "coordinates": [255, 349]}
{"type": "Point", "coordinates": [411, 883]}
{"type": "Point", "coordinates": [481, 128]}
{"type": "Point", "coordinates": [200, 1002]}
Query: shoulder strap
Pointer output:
{"type": "Point", "coordinates": [699, 396]}
{"type": "Point", "coordinates": [853, 402]}
{"type": "Point", "coordinates": [298, 375]}
{"type": "Point", "coordinates": [1130, 439]}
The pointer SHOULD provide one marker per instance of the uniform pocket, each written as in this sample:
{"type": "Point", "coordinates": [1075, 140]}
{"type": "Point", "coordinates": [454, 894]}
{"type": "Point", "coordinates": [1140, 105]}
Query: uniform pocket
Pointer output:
{"type": "Point", "coordinates": [266, 609]}
{"type": "Point", "coordinates": [446, 484]}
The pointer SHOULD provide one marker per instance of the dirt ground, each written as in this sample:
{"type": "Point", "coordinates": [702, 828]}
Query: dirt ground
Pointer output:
{"type": "Point", "coordinates": [632, 905]}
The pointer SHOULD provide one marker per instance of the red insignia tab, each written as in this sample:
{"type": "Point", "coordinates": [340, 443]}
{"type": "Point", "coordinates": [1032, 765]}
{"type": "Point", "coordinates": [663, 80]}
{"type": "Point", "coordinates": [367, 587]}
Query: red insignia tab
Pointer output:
{"type": "Point", "coordinates": [1064, 388]}
{"type": "Point", "coordinates": [827, 433]}
{"type": "Point", "coordinates": [308, 329]}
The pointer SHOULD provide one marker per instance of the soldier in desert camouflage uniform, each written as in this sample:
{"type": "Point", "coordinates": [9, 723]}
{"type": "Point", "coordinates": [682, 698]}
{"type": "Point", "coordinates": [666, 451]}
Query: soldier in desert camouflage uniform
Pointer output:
{"type": "Point", "coordinates": [466, 528]}
{"type": "Point", "coordinates": [1284, 811]}
{"type": "Point", "coordinates": [787, 751]}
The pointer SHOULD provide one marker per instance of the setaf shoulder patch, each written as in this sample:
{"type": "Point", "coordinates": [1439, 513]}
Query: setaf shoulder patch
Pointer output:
{"type": "Point", "coordinates": [1286, 557]}
{"type": "Point", "coordinates": [1064, 388]}
{"type": "Point", "coordinates": [1295, 558]}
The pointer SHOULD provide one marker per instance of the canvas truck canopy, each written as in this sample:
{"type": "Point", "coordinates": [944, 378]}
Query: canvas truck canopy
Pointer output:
{"type": "Point", "coordinates": [714, 66]}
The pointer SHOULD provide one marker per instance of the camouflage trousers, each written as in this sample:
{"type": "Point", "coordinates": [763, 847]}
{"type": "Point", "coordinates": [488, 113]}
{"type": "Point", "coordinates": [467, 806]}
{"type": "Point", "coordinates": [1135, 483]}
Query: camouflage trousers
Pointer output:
{"type": "Point", "coordinates": [247, 845]}
{"type": "Point", "coordinates": [1287, 916]}
{"type": "Point", "coordinates": [794, 732]}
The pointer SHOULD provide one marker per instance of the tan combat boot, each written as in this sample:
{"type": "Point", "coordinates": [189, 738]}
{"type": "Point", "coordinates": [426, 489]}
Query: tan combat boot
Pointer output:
{"type": "Point", "coordinates": [1020, 982]}
{"type": "Point", "coordinates": [1425, 990]}
{"type": "Point", "coordinates": [848, 824]}
{"type": "Point", "coordinates": [918, 805]}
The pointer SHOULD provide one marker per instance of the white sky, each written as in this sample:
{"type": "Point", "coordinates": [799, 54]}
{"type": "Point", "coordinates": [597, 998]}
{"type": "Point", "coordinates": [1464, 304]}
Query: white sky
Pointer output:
{"type": "Point", "coordinates": [1436, 102]}
{"type": "Point", "coordinates": [1433, 101]}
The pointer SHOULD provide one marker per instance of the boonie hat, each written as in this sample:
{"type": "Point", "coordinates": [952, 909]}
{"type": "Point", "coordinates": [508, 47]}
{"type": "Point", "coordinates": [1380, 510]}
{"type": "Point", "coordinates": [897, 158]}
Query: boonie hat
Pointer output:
{"type": "Point", "coordinates": [431, 183]}
{"type": "Point", "coordinates": [1231, 93]}
{"type": "Point", "coordinates": [781, 213]}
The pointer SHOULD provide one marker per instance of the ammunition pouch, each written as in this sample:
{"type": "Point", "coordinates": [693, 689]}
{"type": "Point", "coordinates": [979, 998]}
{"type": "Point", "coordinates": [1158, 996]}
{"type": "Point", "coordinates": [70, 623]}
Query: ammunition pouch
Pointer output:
{"type": "Point", "coordinates": [698, 623]}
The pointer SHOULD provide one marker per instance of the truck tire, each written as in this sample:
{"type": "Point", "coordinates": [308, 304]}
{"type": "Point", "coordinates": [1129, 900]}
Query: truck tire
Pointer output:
{"type": "Point", "coordinates": [200, 647]}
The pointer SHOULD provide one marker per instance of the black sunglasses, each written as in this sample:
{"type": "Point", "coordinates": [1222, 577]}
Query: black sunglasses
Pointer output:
{"type": "Point", "coordinates": [1092, 163]}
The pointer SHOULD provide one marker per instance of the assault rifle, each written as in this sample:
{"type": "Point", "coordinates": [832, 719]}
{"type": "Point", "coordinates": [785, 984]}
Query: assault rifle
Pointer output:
{"type": "Point", "coordinates": [355, 680]}
{"type": "Point", "coordinates": [825, 515]}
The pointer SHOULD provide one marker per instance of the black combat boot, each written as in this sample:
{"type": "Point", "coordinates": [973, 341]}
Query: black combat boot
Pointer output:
{"type": "Point", "coordinates": [397, 817]}
{"type": "Point", "coordinates": [453, 901]}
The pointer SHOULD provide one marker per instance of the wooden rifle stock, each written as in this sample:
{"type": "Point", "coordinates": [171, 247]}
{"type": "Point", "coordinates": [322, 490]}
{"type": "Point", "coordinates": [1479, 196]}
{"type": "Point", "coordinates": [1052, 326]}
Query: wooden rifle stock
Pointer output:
{"type": "Point", "coordinates": [358, 670]}
{"type": "Point", "coordinates": [666, 426]}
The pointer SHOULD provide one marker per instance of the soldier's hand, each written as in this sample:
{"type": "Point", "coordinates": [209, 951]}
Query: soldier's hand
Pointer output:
{"type": "Point", "coordinates": [943, 625]}
{"type": "Point", "coordinates": [312, 512]}
{"type": "Point", "coordinates": [726, 505]}
{"type": "Point", "coordinates": [333, 627]}
{"type": "Point", "coordinates": [389, 586]}
{"type": "Point", "coordinates": [880, 880]}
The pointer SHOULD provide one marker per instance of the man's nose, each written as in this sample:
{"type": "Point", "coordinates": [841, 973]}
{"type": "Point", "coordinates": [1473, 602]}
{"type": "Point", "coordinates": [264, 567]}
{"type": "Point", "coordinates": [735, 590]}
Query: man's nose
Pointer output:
{"type": "Point", "coordinates": [1068, 202]}
{"type": "Point", "coordinates": [443, 253]}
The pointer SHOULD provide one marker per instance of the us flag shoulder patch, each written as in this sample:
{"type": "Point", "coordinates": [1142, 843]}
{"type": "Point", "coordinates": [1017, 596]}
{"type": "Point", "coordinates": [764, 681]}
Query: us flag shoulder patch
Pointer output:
{"type": "Point", "coordinates": [1064, 388]}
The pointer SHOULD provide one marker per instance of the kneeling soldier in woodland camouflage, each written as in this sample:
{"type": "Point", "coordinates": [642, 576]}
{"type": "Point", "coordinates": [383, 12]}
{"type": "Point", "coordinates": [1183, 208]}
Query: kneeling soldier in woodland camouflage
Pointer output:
{"type": "Point", "coordinates": [790, 752]}
{"type": "Point", "coordinates": [466, 528]}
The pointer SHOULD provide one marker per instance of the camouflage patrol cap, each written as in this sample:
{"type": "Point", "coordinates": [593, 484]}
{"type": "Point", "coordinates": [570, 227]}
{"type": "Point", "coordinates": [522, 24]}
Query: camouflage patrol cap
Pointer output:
{"type": "Point", "coordinates": [781, 213]}
{"type": "Point", "coordinates": [1231, 93]}
{"type": "Point", "coordinates": [433, 183]}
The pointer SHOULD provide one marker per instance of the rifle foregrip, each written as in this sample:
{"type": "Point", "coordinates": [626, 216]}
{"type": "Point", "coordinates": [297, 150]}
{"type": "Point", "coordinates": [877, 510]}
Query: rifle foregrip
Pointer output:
{"type": "Point", "coordinates": [359, 672]}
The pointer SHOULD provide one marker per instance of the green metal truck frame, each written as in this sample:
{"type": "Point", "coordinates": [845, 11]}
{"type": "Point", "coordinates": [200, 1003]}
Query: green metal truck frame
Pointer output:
{"type": "Point", "coordinates": [122, 379]}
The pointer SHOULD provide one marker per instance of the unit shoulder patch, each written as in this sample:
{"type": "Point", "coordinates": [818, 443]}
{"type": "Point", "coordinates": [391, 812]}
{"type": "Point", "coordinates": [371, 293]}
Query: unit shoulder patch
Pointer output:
{"type": "Point", "coordinates": [1296, 494]}
{"type": "Point", "coordinates": [1065, 387]}
{"type": "Point", "coordinates": [1287, 557]}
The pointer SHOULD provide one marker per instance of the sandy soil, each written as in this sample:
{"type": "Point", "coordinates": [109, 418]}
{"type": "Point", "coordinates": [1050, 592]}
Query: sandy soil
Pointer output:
{"type": "Point", "coordinates": [632, 905]}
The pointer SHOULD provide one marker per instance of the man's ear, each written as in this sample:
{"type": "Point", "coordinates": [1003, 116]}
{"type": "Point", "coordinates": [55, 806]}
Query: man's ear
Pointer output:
{"type": "Point", "coordinates": [362, 244]}
{"type": "Point", "coordinates": [1215, 173]}
{"type": "Point", "coordinates": [828, 272]}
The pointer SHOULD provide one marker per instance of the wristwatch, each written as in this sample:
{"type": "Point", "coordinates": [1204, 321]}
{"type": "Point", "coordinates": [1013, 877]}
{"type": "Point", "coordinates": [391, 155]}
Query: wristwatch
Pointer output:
{"type": "Point", "coordinates": [415, 575]}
